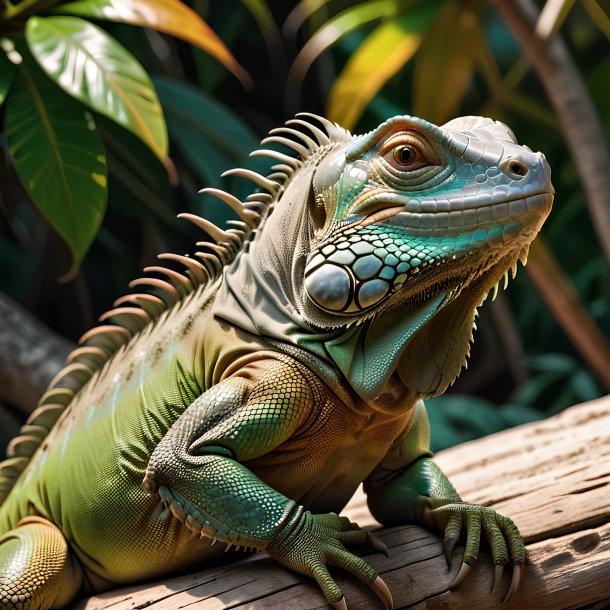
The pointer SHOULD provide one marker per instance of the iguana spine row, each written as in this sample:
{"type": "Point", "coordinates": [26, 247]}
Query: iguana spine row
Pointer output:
{"type": "Point", "coordinates": [132, 313]}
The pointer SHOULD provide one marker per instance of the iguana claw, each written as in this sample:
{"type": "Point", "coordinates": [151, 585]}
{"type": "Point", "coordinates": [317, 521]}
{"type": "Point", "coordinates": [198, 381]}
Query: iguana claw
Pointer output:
{"type": "Point", "coordinates": [462, 574]}
{"type": "Point", "coordinates": [514, 583]}
{"type": "Point", "coordinates": [378, 546]}
{"type": "Point", "coordinates": [498, 571]}
{"type": "Point", "coordinates": [340, 605]}
{"type": "Point", "coordinates": [382, 592]}
{"type": "Point", "coordinates": [312, 542]}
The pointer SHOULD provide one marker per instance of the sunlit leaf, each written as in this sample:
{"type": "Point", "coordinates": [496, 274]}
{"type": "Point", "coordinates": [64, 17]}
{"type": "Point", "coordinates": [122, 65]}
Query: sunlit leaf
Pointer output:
{"type": "Point", "coordinates": [94, 68]}
{"type": "Point", "coordinates": [299, 14]}
{"type": "Point", "coordinates": [58, 156]}
{"type": "Point", "coordinates": [169, 16]}
{"type": "Point", "coordinates": [342, 24]}
{"type": "Point", "coordinates": [377, 59]}
{"type": "Point", "coordinates": [445, 63]}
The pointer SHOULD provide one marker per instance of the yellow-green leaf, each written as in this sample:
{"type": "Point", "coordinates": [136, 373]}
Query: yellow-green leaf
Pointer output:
{"type": "Point", "coordinates": [445, 62]}
{"type": "Point", "coordinates": [169, 16]}
{"type": "Point", "coordinates": [379, 57]}
{"type": "Point", "coordinates": [91, 66]}
{"type": "Point", "coordinates": [599, 11]}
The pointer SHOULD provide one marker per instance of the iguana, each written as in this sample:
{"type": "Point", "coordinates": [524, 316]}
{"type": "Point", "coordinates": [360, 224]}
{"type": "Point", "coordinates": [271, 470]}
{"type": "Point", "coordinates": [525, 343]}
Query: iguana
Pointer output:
{"type": "Point", "coordinates": [245, 400]}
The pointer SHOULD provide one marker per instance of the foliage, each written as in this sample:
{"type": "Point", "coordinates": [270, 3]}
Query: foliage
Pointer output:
{"type": "Point", "coordinates": [65, 175]}
{"type": "Point", "coordinates": [98, 95]}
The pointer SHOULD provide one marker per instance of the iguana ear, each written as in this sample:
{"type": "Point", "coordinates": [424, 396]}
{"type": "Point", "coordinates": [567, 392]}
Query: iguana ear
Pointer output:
{"type": "Point", "coordinates": [437, 352]}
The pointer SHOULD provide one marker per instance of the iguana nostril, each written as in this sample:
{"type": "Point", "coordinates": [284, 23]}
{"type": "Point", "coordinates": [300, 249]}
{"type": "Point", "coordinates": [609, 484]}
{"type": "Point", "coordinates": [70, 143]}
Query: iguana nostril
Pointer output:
{"type": "Point", "coordinates": [514, 168]}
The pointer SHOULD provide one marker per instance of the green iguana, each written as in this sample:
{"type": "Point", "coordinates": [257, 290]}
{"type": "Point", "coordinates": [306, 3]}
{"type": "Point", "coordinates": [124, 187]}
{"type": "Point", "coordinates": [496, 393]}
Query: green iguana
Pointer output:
{"type": "Point", "coordinates": [248, 398]}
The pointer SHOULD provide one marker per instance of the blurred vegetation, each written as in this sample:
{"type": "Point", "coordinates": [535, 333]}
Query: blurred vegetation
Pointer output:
{"type": "Point", "coordinates": [109, 130]}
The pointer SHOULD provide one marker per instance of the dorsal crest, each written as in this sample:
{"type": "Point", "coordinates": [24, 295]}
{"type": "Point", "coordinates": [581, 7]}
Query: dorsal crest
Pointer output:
{"type": "Point", "coordinates": [165, 287]}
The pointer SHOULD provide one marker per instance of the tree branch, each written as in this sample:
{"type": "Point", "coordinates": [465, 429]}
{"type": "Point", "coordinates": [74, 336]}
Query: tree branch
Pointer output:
{"type": "Point", "coordinates": [30, 356]}
{"type": "Point", "coordinates": [579, 120]}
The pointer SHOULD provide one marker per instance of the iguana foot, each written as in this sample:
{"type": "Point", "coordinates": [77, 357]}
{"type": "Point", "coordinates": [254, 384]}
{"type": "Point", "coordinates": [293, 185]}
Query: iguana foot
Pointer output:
{"type": "Point", "coordinates": [501, 533]}
{"type": "Point", "coordinates": [310, 543]}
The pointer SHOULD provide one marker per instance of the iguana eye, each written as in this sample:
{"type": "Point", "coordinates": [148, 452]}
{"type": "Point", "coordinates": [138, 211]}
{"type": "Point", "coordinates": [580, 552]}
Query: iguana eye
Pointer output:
{"type": "Point", "coordinates": [404, 155]}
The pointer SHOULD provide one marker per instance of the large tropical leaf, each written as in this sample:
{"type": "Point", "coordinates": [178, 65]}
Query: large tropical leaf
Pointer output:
{"type": "Point", "coordinates": [445, 62]}
{"type": "Point", "coordinates": [94, 68]}
{"type": "Point", "coordinates": [168, 16]}
{"type": "Point", "coordinates": [376, 60]}
{"type": "Point", "coordinates": [58, 156]}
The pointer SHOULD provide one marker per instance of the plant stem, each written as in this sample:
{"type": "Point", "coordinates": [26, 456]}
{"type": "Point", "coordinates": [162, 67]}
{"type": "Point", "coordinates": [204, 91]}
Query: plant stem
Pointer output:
{"type": "Point", "coordinates": [579, 120]}
{"type": "Point", "coordinates": [24, 8]}
{"type": "Point", "coordinates": [562, 300]}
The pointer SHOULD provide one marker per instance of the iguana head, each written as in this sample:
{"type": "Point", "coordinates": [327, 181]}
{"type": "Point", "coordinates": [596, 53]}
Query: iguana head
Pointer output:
{"type": "Point", "coordinates": [378, 249]}
{"type": "Point", "coordinates": [411, 209]}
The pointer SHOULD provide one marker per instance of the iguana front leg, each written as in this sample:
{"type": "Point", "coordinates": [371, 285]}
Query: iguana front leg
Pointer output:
{"type": "Point", "coordinates": [408, 487]}
{"type": "Point", "coordinates": [198, 474]}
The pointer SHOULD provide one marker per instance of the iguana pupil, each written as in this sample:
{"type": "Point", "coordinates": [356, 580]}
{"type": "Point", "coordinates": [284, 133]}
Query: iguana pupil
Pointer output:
{"type": "Point", "coordinates": [405, 155]}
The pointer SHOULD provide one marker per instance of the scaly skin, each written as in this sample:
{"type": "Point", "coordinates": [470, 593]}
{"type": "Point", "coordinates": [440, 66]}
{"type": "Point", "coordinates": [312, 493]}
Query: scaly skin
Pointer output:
{"type": "Point", "coordinates": [248, 412]}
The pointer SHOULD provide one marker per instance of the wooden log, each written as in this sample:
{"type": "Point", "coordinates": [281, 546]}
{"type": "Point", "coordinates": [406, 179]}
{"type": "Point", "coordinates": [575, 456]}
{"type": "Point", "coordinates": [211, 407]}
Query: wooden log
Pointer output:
{"type": "Point", "coordinates": [551, 477]}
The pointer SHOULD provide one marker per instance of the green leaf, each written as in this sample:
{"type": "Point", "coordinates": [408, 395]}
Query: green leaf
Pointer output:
{"type": "Point", "coordinates": [208, 135]}
{"type": "Point", "coordinates": [599, 11]}
{"type": "Point", "coordinates": [336, 28]}
{"type": "Point", "coordinates": [378, 58]}
{"type": "Point", "coordinates": [169, 16]}
{"type": "Point", "coordinates": [58, 156]}
{"type": "Point", "coordinates": [445, 63]}
{"type": "Point", "coordinates": [94, 68]}
{"type": "Point", "coordinates": [264, 17]}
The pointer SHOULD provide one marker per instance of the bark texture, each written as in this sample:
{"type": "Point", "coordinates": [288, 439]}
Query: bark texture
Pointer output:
{"type": "Point", "coordinates": [552, 477]}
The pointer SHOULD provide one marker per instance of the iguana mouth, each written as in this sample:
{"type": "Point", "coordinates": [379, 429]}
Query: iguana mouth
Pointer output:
{"type": "Point", "coordinates": [416, 216]}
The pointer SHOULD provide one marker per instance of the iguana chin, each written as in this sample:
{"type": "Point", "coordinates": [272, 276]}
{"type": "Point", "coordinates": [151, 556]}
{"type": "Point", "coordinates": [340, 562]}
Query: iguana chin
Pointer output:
{"type": "Point", "coordinates": [246, 400]}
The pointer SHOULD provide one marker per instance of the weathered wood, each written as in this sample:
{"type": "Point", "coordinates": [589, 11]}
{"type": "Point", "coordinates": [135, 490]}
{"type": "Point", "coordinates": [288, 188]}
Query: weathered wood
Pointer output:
{"type": "Point", "coordinates": [551, 477]}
